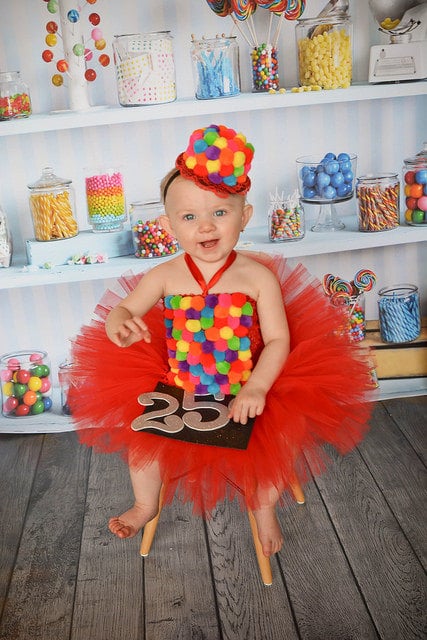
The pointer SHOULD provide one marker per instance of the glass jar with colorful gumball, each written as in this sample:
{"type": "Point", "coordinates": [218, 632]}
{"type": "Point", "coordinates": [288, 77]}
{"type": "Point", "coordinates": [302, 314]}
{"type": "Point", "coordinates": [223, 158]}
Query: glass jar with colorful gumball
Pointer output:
{"type": "Point", "coordinates": [25, 383]}
{"type": "Point", "coordinates": [415, 188]}
{"type": "Point", "coordinates": [15, 99]}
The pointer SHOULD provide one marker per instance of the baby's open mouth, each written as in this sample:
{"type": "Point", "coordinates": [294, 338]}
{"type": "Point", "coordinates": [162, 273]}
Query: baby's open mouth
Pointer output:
{"type": "Point", "coordinates": [208, 244]}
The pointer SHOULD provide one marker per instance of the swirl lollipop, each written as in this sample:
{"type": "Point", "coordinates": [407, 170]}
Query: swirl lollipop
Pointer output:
{"type": "Point", "coordinates": [327, 281]}
{"type": "Point", "coordinates": [340, 299]}
{"type": "Point", "coordinates": [243, 9]}
{"type": "Point", "coordinates": [342, 286]}
{"type": "Point", "coordinates": [294, 9]}
{"type": "Point", "coordinates": [222, 8]}
{"type": "Point", "coordinates": [364, 280]}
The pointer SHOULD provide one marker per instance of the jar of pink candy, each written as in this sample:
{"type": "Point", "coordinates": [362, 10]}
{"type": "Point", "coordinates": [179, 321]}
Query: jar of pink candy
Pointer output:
{"type": "Point", "coordinates": [150, 240]}
{"type": "Point", "coordinates": [26, 383]}
{"type": "Point", "coordinates": [105, 197]}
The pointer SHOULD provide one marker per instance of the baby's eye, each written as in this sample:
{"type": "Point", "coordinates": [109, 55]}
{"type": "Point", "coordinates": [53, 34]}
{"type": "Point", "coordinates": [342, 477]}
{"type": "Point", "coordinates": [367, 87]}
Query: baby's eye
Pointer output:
{"type": "Point", "coordinates": [219, 213]}
{"type": "Point", "coordinates": [188, 216]}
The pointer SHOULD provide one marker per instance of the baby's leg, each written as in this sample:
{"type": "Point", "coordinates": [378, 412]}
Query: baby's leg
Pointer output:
{"type": "Point", "coordinates": [146, 485]}
{"type": "Point", "coordinates": [269, 531]}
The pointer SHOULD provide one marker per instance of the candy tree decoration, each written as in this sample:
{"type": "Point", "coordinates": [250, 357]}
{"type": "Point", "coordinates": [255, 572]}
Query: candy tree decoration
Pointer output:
{"type": "Point", "coordinates": [71, 64]}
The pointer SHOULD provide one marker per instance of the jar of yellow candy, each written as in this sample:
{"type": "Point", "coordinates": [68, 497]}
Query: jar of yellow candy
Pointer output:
{"type": "Point", "coordinates": [324, 49]}
{"type": "Point", "coordinates": [52, 207]}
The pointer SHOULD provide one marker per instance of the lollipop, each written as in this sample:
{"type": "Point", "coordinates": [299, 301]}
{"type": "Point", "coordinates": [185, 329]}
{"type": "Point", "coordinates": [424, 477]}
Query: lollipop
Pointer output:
{"type": "Point", "coordinates": [340, 298]}
{"type": "Point", "coordinates": [327, 280]}
{"type": "Point", "coordinates": [295, 9]}
{"type": "Point", "coordinates": [222, 8]}
{"type": "Point", "coordinates": [364, 280]}
{"type": "Point", "coordinates": [243, 9]}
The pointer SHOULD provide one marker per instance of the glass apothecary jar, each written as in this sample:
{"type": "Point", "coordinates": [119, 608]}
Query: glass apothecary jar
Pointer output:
{"type": "Point", "coordinates": [286, 219]}
{"type": "Point", "coordinates": [145, 68]}
{"type": "Point", "coordinates": [399, 313]}
{"type": "Point", "coordinates": [324, 50]}
{"type": "Point", "coordinates": [379, 203]}
{"type": "Point", "coordinates": [52, 207]}
{"type": "Point", "coordinates": [26, 383]}
{"type": "Point", "coordinates": [150, 239]}
{"type": "Point", "coordinates": [6, 245]}
{"type": "Point", "coordinates": [15, 99]}
{"type": "Point", "coordinates": [215, 67]}
{"type": "Point", "coordinates": [415, 187]}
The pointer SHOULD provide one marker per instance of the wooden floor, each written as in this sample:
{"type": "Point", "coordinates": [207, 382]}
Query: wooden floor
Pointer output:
{"type": "Point", "coordinates": [352, 567]}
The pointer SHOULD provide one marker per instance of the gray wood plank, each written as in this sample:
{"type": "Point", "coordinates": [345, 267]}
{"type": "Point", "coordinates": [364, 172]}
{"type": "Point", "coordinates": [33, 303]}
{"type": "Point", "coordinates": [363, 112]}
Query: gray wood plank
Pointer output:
{"type": "Point", "coordinates": [109, 599]}
{"type": "Point", "coordinates": [325, 599]}
{"type": "Point", "coordinates": [388, 573]}
{"type": "Point", "coordinates": [17, 453]}
{"type": "Point", "coordinates": [411, 416]}
{"type": "Point", "coordinates": [179, 593]}
{"type": "Point", "coordinates": [40, 598]}
{"type": "Point", "coordinates": [401, 476]}
{"type": "Point", "coordinates": [247, 609]}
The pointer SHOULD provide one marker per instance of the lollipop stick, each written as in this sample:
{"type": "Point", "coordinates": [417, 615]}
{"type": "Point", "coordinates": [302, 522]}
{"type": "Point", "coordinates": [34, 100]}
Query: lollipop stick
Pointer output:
{"type": "Point", "coordinates": [269, 26]}
{"type": "Point", "coordinates": [236, 23]}
{"type": "Point", "coordinates": [278, 29]}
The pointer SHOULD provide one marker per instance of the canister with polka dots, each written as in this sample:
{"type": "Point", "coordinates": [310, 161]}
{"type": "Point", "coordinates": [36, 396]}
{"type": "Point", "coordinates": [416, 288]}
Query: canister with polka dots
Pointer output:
{"type": "Point", "coordinates": [145, 68]}
{"type": "Point", "coordinates": [324, 50]}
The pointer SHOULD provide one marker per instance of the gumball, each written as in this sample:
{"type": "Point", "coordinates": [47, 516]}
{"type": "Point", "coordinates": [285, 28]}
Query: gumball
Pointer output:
{"type": "Point", "coordinates": [10, 405]}
{"type": "Point", "coordinates": [330, 156]}
{"type": "Point", "coordinates": [73, 15]}
{"type": "Point", "coordinates": [94, 19]}
{"type": "Point", "coordinates": [332, 167]}
{"type": "Point", "coordinates": [411, 203]}
{"type": "Point", "coordinates": [100, 44]}
{"type": "Point", "coordinates": [47, 403]}
{"type": "Point", "coordinates": [51, 39]}
{"type": "Point", "coordinates": [52, 6]}
{"type": "Point", "coordinates": [62, 65]}
{"type": "Point", "coordinates": [44, 371]}
{"type": "Point", "coordinates": [90, 75]}
{"type": "Point", "coordinates": [408, 215]}
{"type": "Point", "coordinates": [23, 376]}
{"type": "Point", "coordinates": [88, 55]}
{"type": "Point", "coordinates": [309, 179]}
{"type": "Point", "coordinates": [421, 176]}
{"type": "Point", "coordinates": [422, 203]}
{"type": "Point", "coordinates": [91, 1]}
{"type": "Point", "coordinates": [57, 80]}
{"type": "Point", "coordinates": [51, 27]}
{"type": "Point", "coordinates": [329, 193]}
{"type": "Point", "coordinates": [22, 410]}
{"type": "Point", "coordinates": [417, 216]}
{"type": "Point", "coordinates": [322, 180]}
{"type": "Point", "coordinates": [47, 55]}
{"type": "Point", "coordinates": [337, 179]}
{"type": "Point", "coordinates": [34, 383]}
{"type": "Point", "coordinates": [7, 388]}
{"type": "Point", "coordinates": [343, 157]}
{"type": "Point", "coordinates": [38, 407]}
{"type": "Point", "coordinates": [19, 389]}
{"type": "Point", "coordinates": [36, 357]}
{"type": "Point", "coordinates": [45, 385]}
{"type": "Point", "coordinates": [37, 370]}
{"type": "Point", "coordinates": [416, 190]}
{"type": "Point", "coordinates": [13, 364]}
{"type": "Point", "coordinates": [29, 398]}
{"type": "Point", "coordinates": [78, 49]}
{"type": "Point", "coordinates": [6, 375]}
{"type": "Point", "coordinates": [104, 60]}
{"type": "Point", "coordinates": [409, 177]}
{"type": "Point", "coordinates": [96, 34]}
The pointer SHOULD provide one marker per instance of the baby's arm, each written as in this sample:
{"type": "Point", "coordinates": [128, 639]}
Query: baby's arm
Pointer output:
{"type": "Point", "coordinates": [250, 401]}
{"type": "Point", "coordinates": [124, 324]}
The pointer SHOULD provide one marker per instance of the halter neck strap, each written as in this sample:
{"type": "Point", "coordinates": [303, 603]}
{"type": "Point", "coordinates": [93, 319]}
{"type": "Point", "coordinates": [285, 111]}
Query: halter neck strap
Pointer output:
{"type": "Point", "coordinates": [197, 274]}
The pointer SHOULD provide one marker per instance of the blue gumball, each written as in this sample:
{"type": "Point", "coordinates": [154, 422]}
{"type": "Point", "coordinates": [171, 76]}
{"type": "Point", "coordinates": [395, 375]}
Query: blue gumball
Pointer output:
{"type": "Point", "coordinates": [345, 165]}
{"type": "Point", "coordinates": [343, 157]}
{"type": "Point", "coordinates": [348, 176]}
{"type": "Point", "coordinates": [47, 403]}
{"type": "Point", "coordinates": [337, 179]}
{"type": "Point", "coordinates": [331, 167]}
{"type": "Point", "coordinates": [322, 180]}
{"type": "Point", "coordinates": [309, 179]}
{"type": "Point", "coordinates": [73, 15]}
{"type": "Point", "coordinates": [421, 176]}
{"type": "Point", "coordinates": [308, 193]}
{"type": "Point", "coordinates": [329, 156]}
{"type": "Point", "coordinates": [329, 193]}
{"type": "Point", "coordinates": [343, 190]}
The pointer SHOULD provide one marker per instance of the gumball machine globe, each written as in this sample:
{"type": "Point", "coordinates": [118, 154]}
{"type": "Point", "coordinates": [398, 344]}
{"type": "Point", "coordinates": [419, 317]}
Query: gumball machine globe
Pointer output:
{"type": "Point", "coordinates": [327, 181]}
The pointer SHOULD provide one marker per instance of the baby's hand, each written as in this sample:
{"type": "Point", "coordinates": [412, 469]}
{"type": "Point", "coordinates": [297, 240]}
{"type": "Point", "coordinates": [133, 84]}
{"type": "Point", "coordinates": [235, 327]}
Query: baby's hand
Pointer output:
{"type": "Point", "coordinates": [131, 331]}
{"type": "Point", "coordinates": [249, 403]}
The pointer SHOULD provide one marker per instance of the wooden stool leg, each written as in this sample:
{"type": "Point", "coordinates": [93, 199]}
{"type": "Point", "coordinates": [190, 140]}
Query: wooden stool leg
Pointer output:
{"type": "Point", "coordinates": [263, 562]}
{"type": "Point", "coordinates": [150, 528]}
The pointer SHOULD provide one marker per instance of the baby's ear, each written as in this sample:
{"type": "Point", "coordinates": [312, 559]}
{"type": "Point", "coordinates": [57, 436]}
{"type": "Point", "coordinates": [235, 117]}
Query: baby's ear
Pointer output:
{"type": "Point", "coordinates": [165, 223]}
{"type": "Point", "coordinates": [247, 214]}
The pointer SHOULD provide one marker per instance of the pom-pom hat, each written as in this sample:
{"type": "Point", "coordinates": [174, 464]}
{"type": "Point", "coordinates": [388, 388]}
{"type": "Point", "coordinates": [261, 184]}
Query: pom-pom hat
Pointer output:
{"type": "Point", "coordinates": [218, 159]}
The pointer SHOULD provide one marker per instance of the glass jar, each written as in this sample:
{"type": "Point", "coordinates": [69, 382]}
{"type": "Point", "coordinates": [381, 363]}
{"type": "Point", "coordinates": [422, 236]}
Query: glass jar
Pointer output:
{"type": "Point", "coordinates": [286, 219]}
{"type": "Point", "coordinates": [105, 196]}
{"type": "Point", "coordinates": [324, 50]}
{"type": "Point", "coordinates": [26, 383]}
{"type": "Point", "coordinates": [52, 207]}
{"type": "Point", "coordinates": [399, 313]}
{"type": "Point", "coordinates": [150, 240]}
{"type": "Point", "coordinates": [15, 99]}
{"type": "Point", "coordinates": [6, 245]}
{"type": "Point", "coordinates": [145, 68]}
{"type": "Point", "coordinates": [356, 323]}
{"type": "Point", "coordinates": [265, 68]}
{"type": "Point", "coordinates": [66, 378]}
{"type": "Point", "coordinates": [378, 200]}
{"type": "Point", "coordinates": [216, 67]}
{"type": "Point", "coordinates": [415, 187]}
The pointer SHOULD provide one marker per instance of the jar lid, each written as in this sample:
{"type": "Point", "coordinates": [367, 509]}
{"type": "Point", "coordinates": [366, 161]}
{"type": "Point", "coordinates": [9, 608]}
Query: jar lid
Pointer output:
{"type": "Point", "coordinates": [48, 180]}
{"type": "Point", "coordinates": [419, 159]}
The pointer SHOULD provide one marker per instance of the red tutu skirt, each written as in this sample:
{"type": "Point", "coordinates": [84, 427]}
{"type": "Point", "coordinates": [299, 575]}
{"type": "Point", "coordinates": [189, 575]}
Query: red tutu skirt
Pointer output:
{"type": "Point", "coordinates": [321, 397]}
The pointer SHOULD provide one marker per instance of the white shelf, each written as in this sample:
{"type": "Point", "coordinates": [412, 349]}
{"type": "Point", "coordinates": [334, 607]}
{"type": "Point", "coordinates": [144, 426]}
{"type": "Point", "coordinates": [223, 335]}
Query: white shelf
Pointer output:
{"type": "Point", "coordinates": [98, 116]}
{"type": "Point", "coordinates": [254, 239]}
{"type": "Point", "coordinates": [54, 422]}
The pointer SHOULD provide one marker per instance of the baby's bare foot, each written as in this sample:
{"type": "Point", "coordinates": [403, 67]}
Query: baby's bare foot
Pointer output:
{"type": "Point", "coordinates": [132, 521]}
{"type": "Point", "coordinates": [269, 532]}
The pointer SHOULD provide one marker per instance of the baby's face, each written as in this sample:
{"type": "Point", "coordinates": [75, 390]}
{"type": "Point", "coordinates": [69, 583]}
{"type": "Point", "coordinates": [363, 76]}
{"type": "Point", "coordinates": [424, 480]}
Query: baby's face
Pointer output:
{"type": "Point", "coordinates": [206, 225]}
